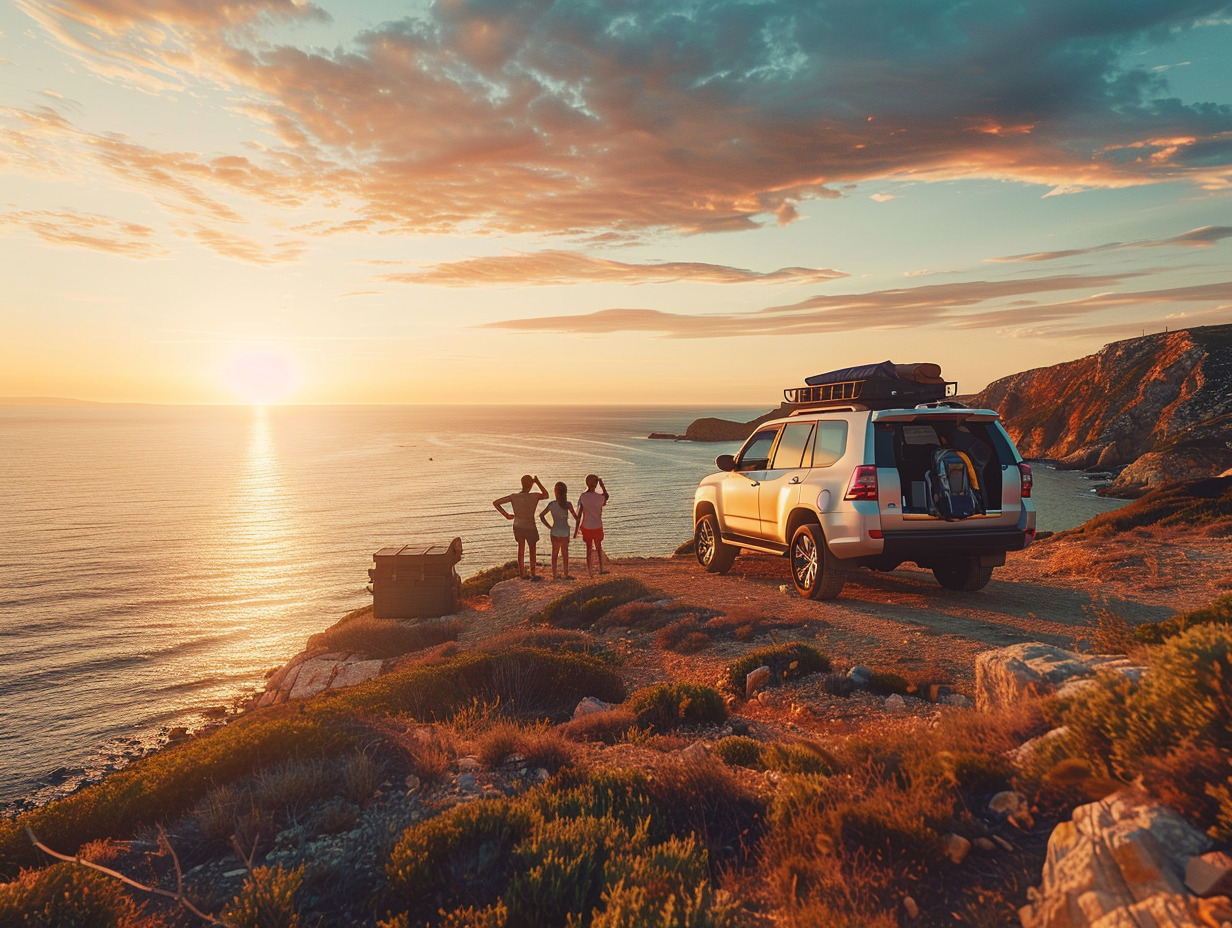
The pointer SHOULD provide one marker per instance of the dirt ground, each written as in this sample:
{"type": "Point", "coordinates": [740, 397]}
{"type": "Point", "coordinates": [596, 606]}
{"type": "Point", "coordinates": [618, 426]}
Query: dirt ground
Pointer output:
{"type": "Point", "coordinates": [905, 622]}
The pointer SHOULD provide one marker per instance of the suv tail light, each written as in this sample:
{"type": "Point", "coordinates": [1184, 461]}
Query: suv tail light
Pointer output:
{"type": "Point", "coordinates": [863, 483]}
{"type": "Point", "coordinates": [1027, 480]}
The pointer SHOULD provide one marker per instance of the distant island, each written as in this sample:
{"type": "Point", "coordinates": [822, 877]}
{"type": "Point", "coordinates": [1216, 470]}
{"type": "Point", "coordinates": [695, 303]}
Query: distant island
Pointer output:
{"type": "Point", "coordinates": [46, 401]}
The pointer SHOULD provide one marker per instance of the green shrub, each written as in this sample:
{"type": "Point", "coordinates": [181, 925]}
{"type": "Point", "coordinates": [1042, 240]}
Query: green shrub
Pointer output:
{"type": "Point", "coordinates": [798, 757]}
{"type": "Point", "coordinates": [705, 800]}
{"type": "Point", "coordinates": [66, 895]}
{"type": "Point", "coordinates": [584, 605]}
{"type": "Point", "coordinates": [267, 899]}
{"type": "Point", "coordinates": [462, 857]}
{"type": "Point", "coordinates": [481, 584]}
{"type": "Point", "coordinates": [667, 886]}
{"type": "Point", "coordinates": [739, 751]}
{"type": "Point", "coordinates": [975, 773]}
{"type": "Point", "coordinates": [604, 727]}
{"type": "Point", "coordinates": [524, 680]}
{"type": "Point", "coordinates": [545, 639]}
{"type": "Point", "coordinates": [666, 706]}
{"type": "Point", "coordinates": [1217, 612]}
{"type": "Point", "coordinates": [559, 870]}
{"type": "Point", "coordinates": [786, 662]}
{"type": "Point", "coordinates": [1172, 731]}
{"type": "Point", "coordinates": [637, 615]}
{"type": "Point", "coordinates": [171, 782]}
{"type": "Point", "coordinates": [885, 682]}
{"type": "Point", "coordinates": [384, 638]}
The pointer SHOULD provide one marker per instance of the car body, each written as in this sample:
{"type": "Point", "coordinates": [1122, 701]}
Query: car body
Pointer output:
{"type": "Point", "coordinates": [839, 487]}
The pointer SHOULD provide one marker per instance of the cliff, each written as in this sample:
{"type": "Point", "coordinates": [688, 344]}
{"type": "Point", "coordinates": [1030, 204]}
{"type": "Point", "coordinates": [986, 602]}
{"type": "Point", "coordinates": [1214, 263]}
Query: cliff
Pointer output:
{"type": "Point", "coordinates": [1159, 406]}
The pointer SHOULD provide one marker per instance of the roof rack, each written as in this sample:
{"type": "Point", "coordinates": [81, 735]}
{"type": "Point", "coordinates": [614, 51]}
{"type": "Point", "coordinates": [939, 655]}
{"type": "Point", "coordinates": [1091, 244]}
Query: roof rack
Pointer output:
{"type": "Point", "coordinates": [869, 394]}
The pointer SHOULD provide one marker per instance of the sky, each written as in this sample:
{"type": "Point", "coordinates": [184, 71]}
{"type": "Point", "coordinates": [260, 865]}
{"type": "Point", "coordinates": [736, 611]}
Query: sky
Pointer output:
{"type": "Point", "coordinates": [255, 201]}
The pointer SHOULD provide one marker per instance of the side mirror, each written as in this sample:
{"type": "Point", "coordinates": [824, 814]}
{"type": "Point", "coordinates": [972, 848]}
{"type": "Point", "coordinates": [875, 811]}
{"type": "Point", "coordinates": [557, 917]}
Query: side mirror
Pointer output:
{"type": "Point", "coordinates": [725, 462]}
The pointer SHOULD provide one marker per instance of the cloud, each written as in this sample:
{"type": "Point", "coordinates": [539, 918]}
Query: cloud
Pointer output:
{"type": "Point", "coordinates": [572, 118]}
{"type": "Point", "coordinates": [87, 230]}
{"type": "Point", "coordinates": [569, 267]}
{"type": "Point", "coordinates": [977, 304]}
{"type": "Point", "coordinates": [1195, 238]}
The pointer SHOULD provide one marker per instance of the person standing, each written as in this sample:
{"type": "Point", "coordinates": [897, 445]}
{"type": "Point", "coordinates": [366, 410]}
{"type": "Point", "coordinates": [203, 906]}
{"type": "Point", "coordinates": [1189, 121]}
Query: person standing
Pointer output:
{"type": "Point", "coordinates": [523, 515]}
{"type": "Point", "coordinates": [590, 521]}
{"type": "Point", "coordinates": [560, 509]}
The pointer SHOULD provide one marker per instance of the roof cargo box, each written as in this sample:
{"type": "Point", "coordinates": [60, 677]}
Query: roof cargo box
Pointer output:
{"type": "Point", "coordinates": [874, 386]}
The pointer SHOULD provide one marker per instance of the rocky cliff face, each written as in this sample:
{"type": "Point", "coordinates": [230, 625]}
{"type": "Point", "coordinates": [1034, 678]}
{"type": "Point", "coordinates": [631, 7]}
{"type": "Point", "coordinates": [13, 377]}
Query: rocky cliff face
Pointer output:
{"type": "Point", "coordinates": [1159, 406]}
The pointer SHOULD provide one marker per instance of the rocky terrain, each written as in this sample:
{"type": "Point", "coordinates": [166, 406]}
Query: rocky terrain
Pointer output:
{"type": "Point", "coordinates": [1154, 409]}
{"type": "Point", "coordinates": [1159, 406]}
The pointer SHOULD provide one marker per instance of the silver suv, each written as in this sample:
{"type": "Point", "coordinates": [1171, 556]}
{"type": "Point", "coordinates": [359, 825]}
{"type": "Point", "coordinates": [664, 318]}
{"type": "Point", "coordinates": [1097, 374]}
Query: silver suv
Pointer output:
{"type": "Point", "coordinates": [841, 483]}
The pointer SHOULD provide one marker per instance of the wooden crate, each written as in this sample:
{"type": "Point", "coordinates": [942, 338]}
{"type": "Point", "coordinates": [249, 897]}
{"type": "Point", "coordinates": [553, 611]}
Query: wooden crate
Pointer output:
{"type": "Point", "coordinates": [416, 581]}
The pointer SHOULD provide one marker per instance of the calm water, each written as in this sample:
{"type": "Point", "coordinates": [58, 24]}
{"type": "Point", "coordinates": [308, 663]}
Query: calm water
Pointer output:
{"type": "Point", "coordinates": [156, 561]}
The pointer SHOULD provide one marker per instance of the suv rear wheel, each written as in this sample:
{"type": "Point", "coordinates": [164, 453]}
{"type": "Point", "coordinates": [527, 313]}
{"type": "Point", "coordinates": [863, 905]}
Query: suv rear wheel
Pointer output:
{"type": "Point", "coordinates": [963, 574]}
{"type": "Point", "coordinates": [816, 572]}
{"type": "Point", "coordinates": [713, 553]}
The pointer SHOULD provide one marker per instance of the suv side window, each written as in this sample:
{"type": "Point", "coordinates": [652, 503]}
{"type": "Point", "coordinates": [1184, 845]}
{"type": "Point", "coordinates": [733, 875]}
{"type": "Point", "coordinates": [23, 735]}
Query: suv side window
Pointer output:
{"type": "Point", "coordinates": [831, 442]}
{"type": "Point", "coordinates": [755, 455]}
{"type": "Point", "coordinates": [792, 446]}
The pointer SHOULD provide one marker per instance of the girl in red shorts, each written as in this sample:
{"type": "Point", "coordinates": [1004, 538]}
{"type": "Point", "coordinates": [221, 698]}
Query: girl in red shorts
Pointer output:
{"type": "Point", "coordinates": [590, 522]}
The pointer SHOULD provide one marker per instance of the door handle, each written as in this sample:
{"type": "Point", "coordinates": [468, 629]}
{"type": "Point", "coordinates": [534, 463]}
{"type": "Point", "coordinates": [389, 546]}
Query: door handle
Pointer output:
{"type": "Point", "coordinates": [794, 480]}
{"type": "Point", "coordinates": [754, 483]}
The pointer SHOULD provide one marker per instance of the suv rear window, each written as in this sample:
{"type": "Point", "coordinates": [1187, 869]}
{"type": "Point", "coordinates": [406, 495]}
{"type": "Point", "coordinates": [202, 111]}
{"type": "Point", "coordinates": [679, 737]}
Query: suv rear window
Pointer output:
{"type": "Point", "coordinates": [831, 443]}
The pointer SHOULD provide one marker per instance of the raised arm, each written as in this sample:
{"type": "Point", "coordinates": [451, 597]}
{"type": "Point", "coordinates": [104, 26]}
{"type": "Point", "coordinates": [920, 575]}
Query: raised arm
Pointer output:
{"type": "Point", "coordinates": [604, 489]}
{"type": "Point", "coordinates": [543, 491]}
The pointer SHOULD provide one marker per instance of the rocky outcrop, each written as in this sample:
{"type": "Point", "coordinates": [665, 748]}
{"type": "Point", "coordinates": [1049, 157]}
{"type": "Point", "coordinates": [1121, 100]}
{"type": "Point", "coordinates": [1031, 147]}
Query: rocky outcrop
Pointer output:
{"type": "Point", "coordinates": [313, 672]}
{"type": "Point", "coordinates": [1118, 862]}
{"type": "Point", "coordinates": [1167, 395]}
{"type": "Point", "coordinates": [1004, 676]}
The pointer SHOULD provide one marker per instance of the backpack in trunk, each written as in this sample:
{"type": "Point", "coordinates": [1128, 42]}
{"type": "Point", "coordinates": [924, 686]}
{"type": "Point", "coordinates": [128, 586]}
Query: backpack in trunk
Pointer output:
{"type": "Point", "coordinates": [953, 488]}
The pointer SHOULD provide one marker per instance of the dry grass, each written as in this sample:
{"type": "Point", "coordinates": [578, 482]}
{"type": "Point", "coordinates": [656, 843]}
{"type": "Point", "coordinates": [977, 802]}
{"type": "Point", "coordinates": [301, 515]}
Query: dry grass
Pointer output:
{"type": "Point", "coordinates": [603, 727]}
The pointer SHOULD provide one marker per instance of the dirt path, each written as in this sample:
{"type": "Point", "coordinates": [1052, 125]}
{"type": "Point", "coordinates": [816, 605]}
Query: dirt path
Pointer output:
{"type": "Point", "coordinates": [904, 621]}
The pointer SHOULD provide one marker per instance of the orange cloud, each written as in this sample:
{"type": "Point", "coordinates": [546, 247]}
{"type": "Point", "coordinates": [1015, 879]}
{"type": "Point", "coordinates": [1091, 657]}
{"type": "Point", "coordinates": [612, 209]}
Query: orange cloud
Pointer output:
{"type": "Point", "coordinates": [569, 267]}
{"type": "Point", "coordinates": [87, 230]}
{"type": "Point", "coordinates": [957, 305]}
{"type": "Point", "coordinates": [1194, 238]}
{"type": "Point", "coordinates": [565, 118]}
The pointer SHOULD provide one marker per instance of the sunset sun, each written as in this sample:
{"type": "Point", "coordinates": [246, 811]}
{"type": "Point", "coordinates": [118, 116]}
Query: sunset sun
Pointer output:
{"type": "Point", "coordinates": [260, 376]}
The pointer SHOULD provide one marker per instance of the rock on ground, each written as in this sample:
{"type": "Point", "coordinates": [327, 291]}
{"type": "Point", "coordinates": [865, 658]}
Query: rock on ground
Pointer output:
{"type": "Point", "coordinates": [1118, 862]}
{"type": "Point", "coordinates": [1004, 676]}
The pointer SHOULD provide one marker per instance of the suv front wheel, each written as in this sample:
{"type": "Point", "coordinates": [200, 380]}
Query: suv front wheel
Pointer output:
{"type": "Point", "coordinates": [713, 553]}
{"type": "Point", "coordinates": [816, 572]}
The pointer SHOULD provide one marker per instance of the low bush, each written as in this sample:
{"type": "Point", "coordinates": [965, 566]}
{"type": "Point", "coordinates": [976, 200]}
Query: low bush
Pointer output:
{"type": "Point", "coordinates": [1170, 731]}
{"type": "Point", "coordinates": [581, 607]}
{"type": "Point", "coordinates": [786, 662]}
{"type": "Point", "coordinates": [267, 899]}
{"type": "Point", "coordinates": [570, 852]}
{"type": "Point", "coordinates": [886, 683]}
{"type": "Point", "coordinates": [604, 727]}
{"type": "Point", "coordinates": [545, 639]}
{"type": "Point", "coordinates": [384, 638]}
{"type": "Point", "coordinates": [666, 706]}
{"type": "Point", "coordinates": [481, 584]}
{"type": "Point", "coordinates": [684, 636]}
{"type": "Point", "coordinates": [739, 751]}
{"type": "Point", "coordinates": [1217, 612]}
{"type": "Point", "coordinates": [171, 782]}
{"type": "Point", "coordinates": [66, 895]}
{"type": "Point", "coordinates": [802, 757]}
{"type": "Point", "coordinates": [637, 615]}
{"type": "Point", "coordinates": [524, 681]}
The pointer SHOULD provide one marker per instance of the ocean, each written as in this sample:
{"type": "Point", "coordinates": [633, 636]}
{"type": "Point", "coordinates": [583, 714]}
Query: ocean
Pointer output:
{"type": "Point", "coordinates": [156, 562]}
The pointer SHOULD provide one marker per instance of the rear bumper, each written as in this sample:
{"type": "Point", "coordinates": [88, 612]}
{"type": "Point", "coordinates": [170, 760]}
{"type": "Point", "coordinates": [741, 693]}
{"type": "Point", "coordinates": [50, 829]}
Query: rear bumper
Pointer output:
{"type": "Point", "coordinates": [926, 546]}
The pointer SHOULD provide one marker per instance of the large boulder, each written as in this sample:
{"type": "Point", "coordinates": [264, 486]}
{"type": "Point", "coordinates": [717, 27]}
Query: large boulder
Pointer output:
{"type": "Point", "coordinates": [1004, 676]}
{"type": "Point", "coordinates": [1118, 862]}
